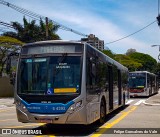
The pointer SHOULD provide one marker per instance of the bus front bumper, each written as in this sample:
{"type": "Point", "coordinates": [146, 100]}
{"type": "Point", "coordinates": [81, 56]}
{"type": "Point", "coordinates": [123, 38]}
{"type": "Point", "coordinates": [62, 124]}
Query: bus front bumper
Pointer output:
{"type": "Point", "coordinates": [75, 117]}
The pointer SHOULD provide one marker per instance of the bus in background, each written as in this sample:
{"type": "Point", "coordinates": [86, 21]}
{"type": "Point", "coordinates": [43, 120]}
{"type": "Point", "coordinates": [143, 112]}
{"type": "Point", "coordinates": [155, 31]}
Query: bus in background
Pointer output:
{"type": "Point", "coordinates": [66, 82]}
{"type": "Point", "coordinates": [142, 83]}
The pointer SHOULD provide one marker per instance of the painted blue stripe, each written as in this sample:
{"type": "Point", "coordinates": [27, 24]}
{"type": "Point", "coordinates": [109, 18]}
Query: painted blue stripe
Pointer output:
{"type": "Point", "coordinates": [47, 108]}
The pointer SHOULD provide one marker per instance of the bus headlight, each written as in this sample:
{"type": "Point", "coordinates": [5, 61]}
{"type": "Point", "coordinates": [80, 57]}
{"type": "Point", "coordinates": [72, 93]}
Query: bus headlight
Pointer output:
{"type": "Point", "coordinates": [75, 106]}
{"type": "Point", "coordinates": [23, 108]}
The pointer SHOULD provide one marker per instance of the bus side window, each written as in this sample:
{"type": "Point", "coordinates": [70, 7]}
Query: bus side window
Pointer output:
{"type": "Point", "coordinates": [92, 71]}
{"type": "Point", "coordinates": [148, 81]}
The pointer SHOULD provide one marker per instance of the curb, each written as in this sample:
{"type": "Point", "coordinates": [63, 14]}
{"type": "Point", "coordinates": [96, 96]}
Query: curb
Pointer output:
{"type": "Point", "coordinates": [150, 104]}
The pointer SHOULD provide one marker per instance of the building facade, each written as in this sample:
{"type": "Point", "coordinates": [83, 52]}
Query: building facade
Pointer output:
{"type": "Point", "coordinates": [94, 41]}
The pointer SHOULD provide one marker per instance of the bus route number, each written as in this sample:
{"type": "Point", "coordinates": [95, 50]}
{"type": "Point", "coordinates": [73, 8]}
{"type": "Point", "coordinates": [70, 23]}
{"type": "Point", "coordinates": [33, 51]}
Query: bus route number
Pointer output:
{"type": "Point", "coordinates": [58, 108]}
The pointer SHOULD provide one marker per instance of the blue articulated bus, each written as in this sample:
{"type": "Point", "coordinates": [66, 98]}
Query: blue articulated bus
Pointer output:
{"type": "Point", "coordinates": [67, 82]}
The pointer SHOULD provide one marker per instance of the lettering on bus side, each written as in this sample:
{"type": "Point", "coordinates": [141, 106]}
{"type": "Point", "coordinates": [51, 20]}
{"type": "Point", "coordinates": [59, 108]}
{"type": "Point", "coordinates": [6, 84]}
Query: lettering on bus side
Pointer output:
{"type": "Point", "coordinates": [46, 102]}
{"type": "Point", "coordinates": [34, 108]}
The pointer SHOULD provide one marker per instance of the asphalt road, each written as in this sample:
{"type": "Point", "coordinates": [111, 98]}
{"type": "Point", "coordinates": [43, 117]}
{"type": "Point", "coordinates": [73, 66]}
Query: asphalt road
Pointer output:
{"type": "Point", "coordinates": [136, 117]}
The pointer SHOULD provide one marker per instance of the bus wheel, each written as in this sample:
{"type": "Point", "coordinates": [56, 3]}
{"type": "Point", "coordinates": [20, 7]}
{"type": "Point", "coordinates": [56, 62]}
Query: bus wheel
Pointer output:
{"type": "Point", "coordinates": [102, 112]}
{"type": "Point", "coordinates": [124, 99]}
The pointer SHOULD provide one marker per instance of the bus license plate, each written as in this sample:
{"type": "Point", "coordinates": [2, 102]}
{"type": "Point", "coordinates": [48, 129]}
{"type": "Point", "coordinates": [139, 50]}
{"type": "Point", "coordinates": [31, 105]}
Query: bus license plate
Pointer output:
{"type": "Point", "coordinates": [46, 120]}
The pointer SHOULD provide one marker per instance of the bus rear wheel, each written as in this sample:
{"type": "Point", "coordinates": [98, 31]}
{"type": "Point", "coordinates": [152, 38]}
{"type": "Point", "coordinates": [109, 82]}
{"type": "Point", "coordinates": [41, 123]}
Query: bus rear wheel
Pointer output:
{"type": "Point", "coordinates": [124, 99]}
{"type": "Point", "coordinates": [102, 112]}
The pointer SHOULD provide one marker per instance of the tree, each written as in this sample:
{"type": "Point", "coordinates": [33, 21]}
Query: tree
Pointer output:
{"type": "Point", "coordinates": [128, 62]}
{"type": "Point", "coordinates": [135, 61]}
{"type": "Point", "coordinates": [31, 32]}
{"type": "Point", "coordinates": [157, 69]}
{"type": "Point", "coordinates": [148, 63]}
{"type": "Point", "coordinates": [109, 53]}
{"type": "Point", "coordinates": [7, 44]}
{"type": "Point", "coordinates": [130, 51]}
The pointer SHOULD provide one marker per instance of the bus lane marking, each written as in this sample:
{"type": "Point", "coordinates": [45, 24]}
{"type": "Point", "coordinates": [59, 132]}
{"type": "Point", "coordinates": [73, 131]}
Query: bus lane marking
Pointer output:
{"type": "Point", "coordinates": [46, 136]}
{"type": "Point", "coordinates": [129, 101]}
{"type": "Point", "coordinates": [110, 125]}
{"type": "Point", "coordinates": [139, 102]}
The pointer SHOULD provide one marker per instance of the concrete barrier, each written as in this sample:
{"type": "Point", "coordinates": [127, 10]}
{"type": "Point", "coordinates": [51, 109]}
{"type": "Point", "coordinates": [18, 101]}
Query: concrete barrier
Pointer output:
{"type": "Point", "coordinates": [6, 89]}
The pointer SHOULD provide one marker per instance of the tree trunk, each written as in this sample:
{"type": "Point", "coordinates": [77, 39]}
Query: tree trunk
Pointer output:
{"type": "Point", "coordinates": [2, 67]}
{"type": "Point", "coordinates": [1, 72]}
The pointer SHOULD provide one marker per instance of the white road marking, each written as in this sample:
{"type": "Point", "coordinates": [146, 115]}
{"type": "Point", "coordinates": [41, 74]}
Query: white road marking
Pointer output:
{"type": "Point", "coordinates": [129, 101]}
{"type": "Point", "coordinates": [139, 102]}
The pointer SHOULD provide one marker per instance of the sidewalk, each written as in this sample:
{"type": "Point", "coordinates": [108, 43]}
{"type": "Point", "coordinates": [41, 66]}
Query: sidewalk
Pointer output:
{"type": "Point", "coordinates": [6, 103]}
{"type": "Point", "coordinates": [153, 100]}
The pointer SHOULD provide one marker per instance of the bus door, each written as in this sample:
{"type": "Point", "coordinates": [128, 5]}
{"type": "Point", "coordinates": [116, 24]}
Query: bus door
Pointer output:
{"type": "Point", "coordinates": [119, 88]}
{"type": "Point", "coordinates": [110, 72]}
{"type": "Point", "coordinates": [151, 85]}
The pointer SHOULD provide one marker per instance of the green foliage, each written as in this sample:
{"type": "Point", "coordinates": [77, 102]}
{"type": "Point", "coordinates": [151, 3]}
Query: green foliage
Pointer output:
{"type": "Point", "coordinates": [135, 61]}
{"type": "Point", "coordinates": [157, 69]}
{"type": "Point", "coordinates": [31, 32]}
{"type": "Point", "coordinates": [128, 62]}
{"type": "Point", "coordinates": [7, 44]}
{"type": "Point", "coordinates": [148, 63]}
{"type": "Point", "coordinates": [109, 53]}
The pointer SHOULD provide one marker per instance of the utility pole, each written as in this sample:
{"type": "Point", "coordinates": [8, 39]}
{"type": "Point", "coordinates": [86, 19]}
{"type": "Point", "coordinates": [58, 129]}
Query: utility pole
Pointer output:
{"type": "Point", "coordinates": [159, 50]}
{"type": "Point", "coordinates": [158, 19]}
{"type": "Point", "coordinates": [46, 28]}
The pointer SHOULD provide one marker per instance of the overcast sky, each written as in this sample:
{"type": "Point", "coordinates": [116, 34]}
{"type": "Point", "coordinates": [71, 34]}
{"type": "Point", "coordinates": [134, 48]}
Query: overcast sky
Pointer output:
{"type": "Point", "coordinates": [109, 20]}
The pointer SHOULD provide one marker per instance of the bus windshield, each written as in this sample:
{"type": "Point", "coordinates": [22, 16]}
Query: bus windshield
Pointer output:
{"type": "Point", "coordinates": [137, 82]}
{"type": "Point", "coordinates": [50, 75]}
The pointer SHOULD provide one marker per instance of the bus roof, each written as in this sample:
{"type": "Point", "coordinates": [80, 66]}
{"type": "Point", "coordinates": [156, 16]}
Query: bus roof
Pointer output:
{"type": "Point", "coordinates": [110, 60]}
{"type": "Point", "coordinates": [142, 72]}
{"type": "Point", "coordinates": [54, 41]}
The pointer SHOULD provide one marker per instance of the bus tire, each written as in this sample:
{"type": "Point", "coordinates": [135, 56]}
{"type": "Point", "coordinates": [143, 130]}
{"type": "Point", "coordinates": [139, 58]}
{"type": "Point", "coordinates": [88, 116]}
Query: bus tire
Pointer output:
{"type": "Point", "coordinates": [102, 112]}
{"type": "Point", "coordinates": [124, 99]}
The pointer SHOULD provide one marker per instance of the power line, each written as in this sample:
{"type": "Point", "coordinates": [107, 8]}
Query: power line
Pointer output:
{"type": "Point", "coordinates": [36, 16]}
{"type": "Point", "coordinates": [6, 28]}
{"type": "Point", "coordinates": [6, 24]}
{"type": "Point", "coordinates": [131, 34]}
{"type": "Point", "coordinates": [158, 7]}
